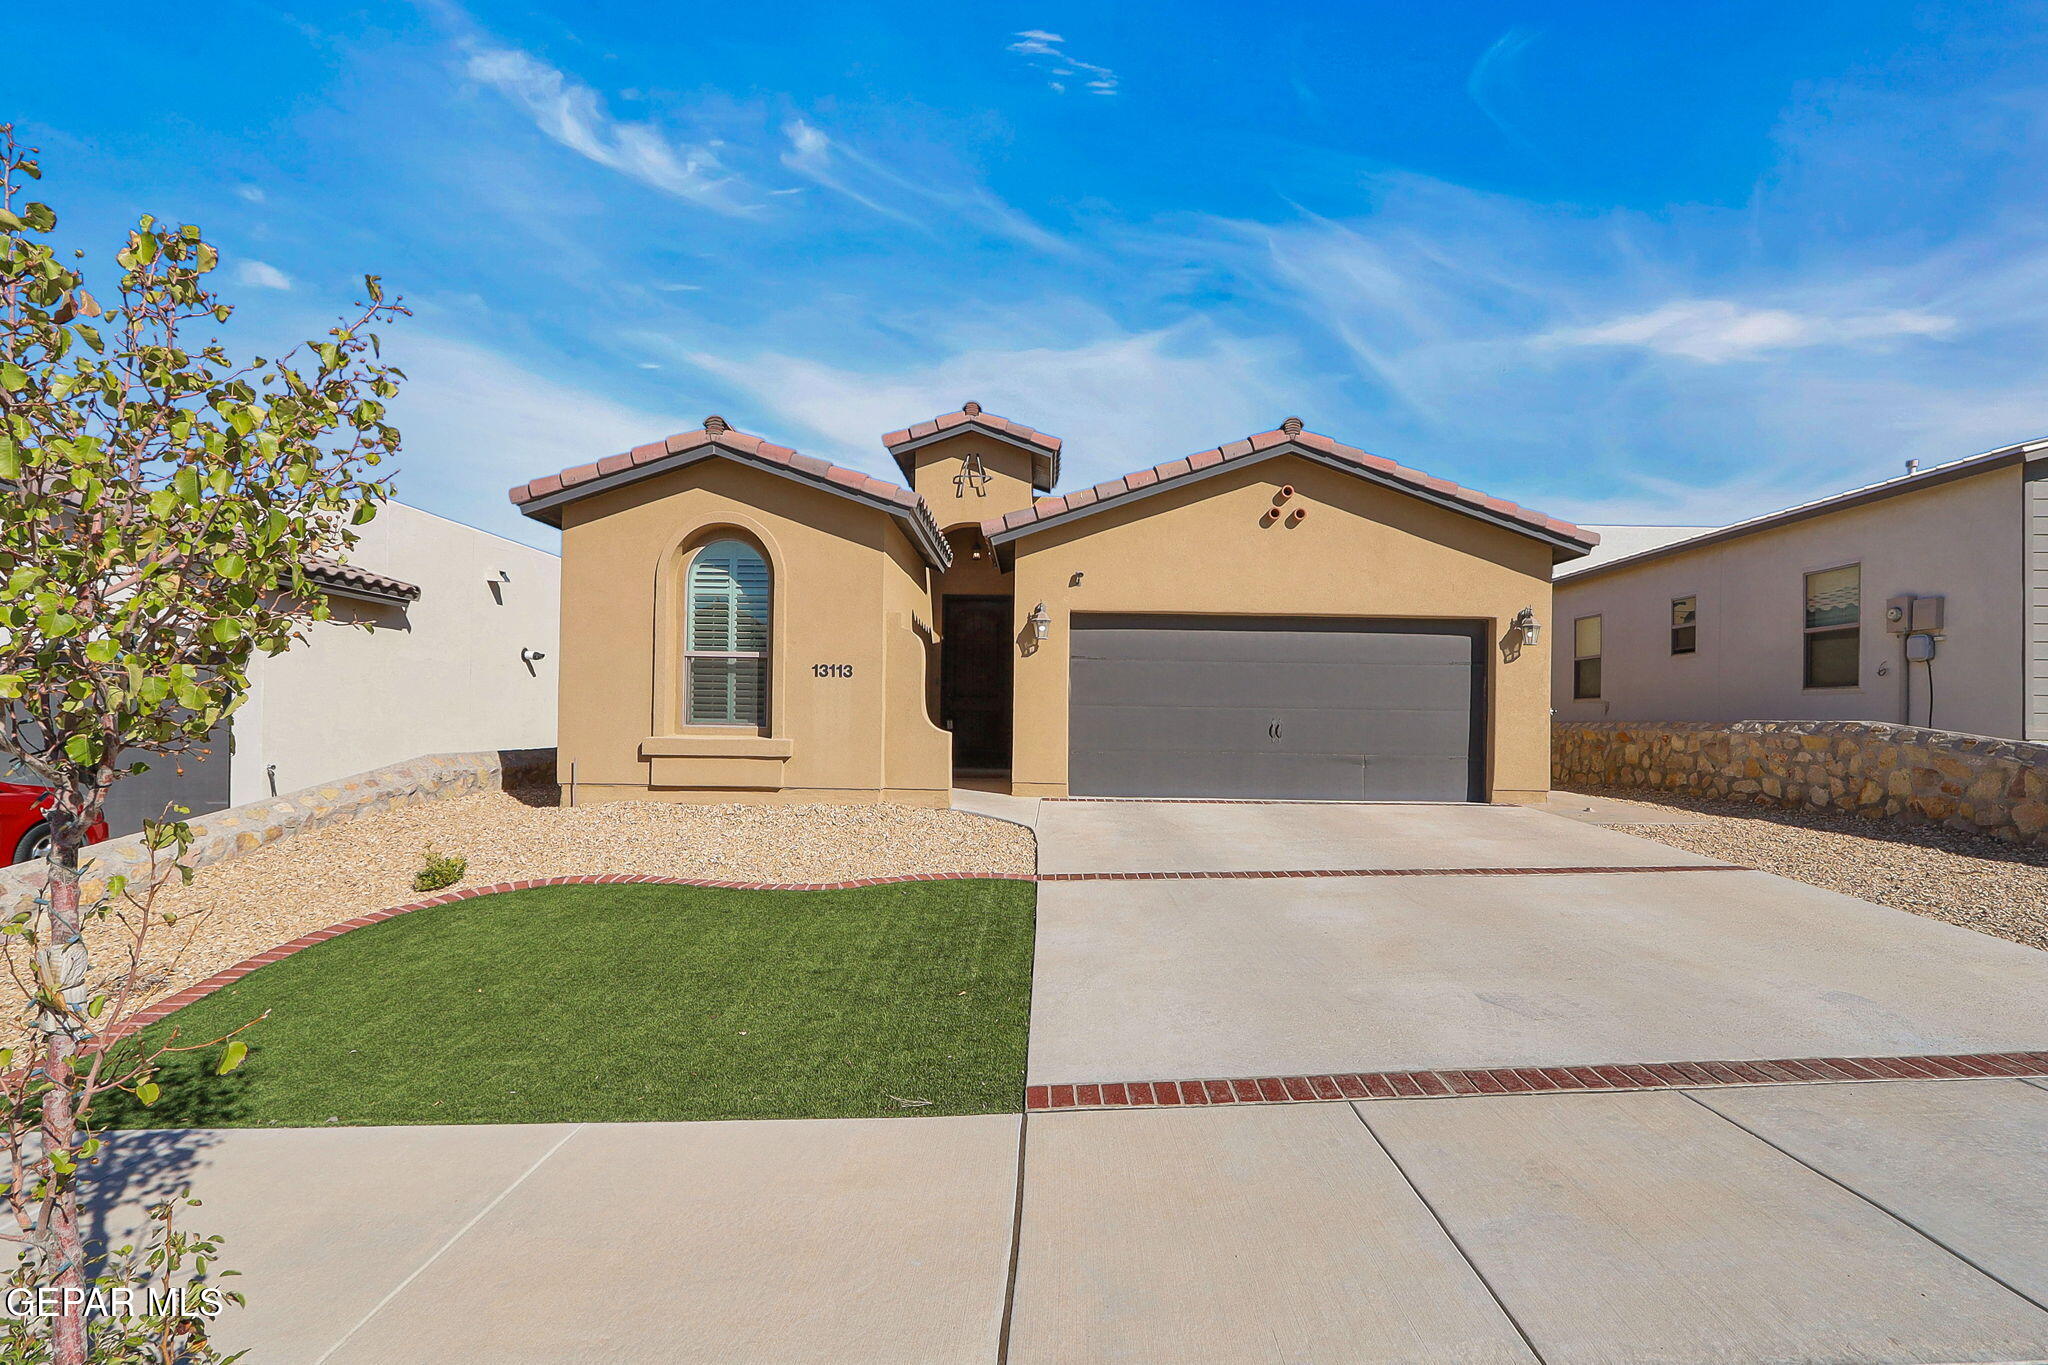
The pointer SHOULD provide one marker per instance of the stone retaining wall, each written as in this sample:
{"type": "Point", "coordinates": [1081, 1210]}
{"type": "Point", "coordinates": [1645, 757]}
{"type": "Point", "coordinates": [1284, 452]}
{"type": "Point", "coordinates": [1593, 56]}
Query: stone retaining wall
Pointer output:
{"type": "Point", "coordinates": [1897, 772]}
{"type": "Point", "coordinates": [229, 833]}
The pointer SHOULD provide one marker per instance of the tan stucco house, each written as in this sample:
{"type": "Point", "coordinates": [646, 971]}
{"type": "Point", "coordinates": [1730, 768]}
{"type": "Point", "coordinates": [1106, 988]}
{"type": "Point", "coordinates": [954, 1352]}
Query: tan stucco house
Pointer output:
{"type": "Point", "coordinates": [1279, 617]}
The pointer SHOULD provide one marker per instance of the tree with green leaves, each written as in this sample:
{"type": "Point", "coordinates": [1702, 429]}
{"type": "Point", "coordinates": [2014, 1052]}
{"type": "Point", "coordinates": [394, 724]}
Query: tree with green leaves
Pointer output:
{"type": "Point", "coordinates": [160, 502]}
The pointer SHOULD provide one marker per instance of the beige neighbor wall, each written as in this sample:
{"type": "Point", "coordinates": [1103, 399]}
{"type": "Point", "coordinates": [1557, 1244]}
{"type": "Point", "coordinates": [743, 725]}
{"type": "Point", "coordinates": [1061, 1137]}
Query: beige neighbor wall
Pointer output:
{"type": "Point", "coordinates": [1363, 551]}
{"type": "Point", "coordinates": [1963, 539]}
{"type": "Point", "coordinates": [848, 590]}
{"type": "Point", "coordinates": [438, 675]}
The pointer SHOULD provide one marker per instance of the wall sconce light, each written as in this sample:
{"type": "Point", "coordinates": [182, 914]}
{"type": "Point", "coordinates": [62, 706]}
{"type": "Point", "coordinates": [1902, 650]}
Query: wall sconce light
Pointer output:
{"type": "Point", "coordinates": [531, 656]}
{"type": "Point", "coordinates": [1525, 625]}
{"type": "Point", "coordinates": [1041, 623]}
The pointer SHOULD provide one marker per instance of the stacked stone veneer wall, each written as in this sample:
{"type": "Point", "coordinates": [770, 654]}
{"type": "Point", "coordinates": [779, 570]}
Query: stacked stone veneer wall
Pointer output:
{"type": "Point", "coordinates": [229, 833]}
{"type": "Point", "coordinates": [1897, 772]}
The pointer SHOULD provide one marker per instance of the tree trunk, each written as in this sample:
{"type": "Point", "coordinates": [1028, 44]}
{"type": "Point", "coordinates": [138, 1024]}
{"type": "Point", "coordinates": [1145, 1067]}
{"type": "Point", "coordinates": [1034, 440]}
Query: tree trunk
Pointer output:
{"type": "Point", "coordinates": [64, 965]}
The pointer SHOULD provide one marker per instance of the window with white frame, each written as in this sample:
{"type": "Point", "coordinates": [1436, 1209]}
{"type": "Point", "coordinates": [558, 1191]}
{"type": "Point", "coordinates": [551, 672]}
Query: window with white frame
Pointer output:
{"type": "Point", "coordinates": [1685, 626]}
{"type": "Point", "coordinates": [725, 636]}
{"type": "Point", "coordinates": [1834, 632]}
{"type": "Point", "coordinates": [1586, 659]}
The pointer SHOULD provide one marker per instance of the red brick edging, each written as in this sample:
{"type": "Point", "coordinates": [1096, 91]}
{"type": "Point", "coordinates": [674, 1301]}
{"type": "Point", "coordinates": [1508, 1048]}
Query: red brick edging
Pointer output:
{"type": "Point", "coordinates": [171, 1003]}
{"type": "Point", "coordinates": [1528, 1080]}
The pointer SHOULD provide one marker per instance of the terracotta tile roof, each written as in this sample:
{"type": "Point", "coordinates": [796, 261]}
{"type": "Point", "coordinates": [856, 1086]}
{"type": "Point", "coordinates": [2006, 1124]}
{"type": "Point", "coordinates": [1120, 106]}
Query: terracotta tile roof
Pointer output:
{"type": "Point", "coordinates": [542, 498]}
{"type": "Point", "coordinates": [1014, 524]}
{"type": "Point", "coordinates": [348, 578]}
{"type": "Point", "coordinates": [1045, 449]}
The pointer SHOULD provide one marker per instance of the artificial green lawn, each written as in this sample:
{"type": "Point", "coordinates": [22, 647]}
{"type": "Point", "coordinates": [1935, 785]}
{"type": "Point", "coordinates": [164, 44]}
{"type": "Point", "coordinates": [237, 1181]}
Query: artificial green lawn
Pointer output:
{"type": "Point", "coordinates": [605, 1003]}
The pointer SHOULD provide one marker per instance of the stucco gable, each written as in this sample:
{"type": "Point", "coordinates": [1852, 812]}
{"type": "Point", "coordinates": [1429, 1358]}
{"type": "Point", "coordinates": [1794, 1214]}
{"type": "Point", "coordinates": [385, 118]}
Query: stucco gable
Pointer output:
{"type": "Point", "coordinates": [1566, 540]}
{"type": "Point", "coordinates": [543, 498]}
{"type": "Point", "coordinates": [1043, 449]}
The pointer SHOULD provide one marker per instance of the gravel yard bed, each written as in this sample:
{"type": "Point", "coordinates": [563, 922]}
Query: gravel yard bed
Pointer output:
{"type": "Point", "coordinates": [1973, 880]}
{"type": "Point", "coordinates": [235, 909]}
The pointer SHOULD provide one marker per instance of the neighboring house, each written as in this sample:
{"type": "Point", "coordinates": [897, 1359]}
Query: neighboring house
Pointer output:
{"type": "Point", "coordinates": [1803, 614]}
{"type": "Point", "coordinates": [1282, 617]}
{"type": "Point", "coordinates": [460, 657]}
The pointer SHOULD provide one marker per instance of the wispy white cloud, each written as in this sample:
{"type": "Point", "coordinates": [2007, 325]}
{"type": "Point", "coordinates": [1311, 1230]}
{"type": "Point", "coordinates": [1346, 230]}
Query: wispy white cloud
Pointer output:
{"type": "Point", "coordinates": [1488, 334]}
{"type": "Point", "coordinates": [258, 275]}
{"type": "Point", "coordinates": [1495, 83]}
{"type": "Point", "coordinates": [813, 155]}
{"type": "Point", "coordinates": [573, 114]}
{"type": "Point", "coordinates": [1047, 51]}
{"type": "Point", "coordinates": [1716, 330]}
{"type": "Point", "coordinates": [252, 193]}
{"type": "Point", "coordinates": [834, 165]}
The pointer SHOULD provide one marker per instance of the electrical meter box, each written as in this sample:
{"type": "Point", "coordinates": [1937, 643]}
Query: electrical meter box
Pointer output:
{"type": "Point", "coordinates": [1910, 615]}
{"type": "Point", "coordinates": [1898, 615]}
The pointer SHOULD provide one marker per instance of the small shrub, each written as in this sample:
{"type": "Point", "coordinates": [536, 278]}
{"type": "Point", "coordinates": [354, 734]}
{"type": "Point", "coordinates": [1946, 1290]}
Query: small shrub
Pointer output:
{"type": "Point", "coordinates": [441, 870]}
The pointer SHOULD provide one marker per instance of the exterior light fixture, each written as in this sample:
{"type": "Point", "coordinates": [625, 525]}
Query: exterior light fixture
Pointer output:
{"type": "Point", "coordinates": [1041, 623]}
{"type": "Point", "coordinates": [1525, 624]}
{"type": "Point", "coordinates": [531, 656]}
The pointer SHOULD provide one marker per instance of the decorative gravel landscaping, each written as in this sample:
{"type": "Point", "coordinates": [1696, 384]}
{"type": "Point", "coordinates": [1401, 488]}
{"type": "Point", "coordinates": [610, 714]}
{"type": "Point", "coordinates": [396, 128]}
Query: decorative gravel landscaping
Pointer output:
{"type": "Point", "coordinates": [619, 1003]}
{"type": "Point", "coordinates": [1976, 881]}
{"type": "Point", "coordinates": [236, 909]}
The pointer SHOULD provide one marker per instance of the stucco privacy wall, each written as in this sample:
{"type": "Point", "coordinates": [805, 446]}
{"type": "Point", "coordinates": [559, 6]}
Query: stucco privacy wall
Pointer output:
{"type": "Point", "coordinates": [1362, 550]}
{"type": "Point", "coordinates": [439, 674]}
{"type": "Point", "coordinates": [1905, 773]}
{"type": "Point", "coordinates": [239, 829]}
{"type": "Point", "coordinates": [1964, 539]}
{"type": "Point", "coordinates": [845, 588]}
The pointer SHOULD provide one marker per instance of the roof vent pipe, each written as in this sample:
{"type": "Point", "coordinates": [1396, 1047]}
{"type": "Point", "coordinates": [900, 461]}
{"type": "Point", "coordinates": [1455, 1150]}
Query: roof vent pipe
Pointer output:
{"type": "Point", "coordinates": [1912, 468]}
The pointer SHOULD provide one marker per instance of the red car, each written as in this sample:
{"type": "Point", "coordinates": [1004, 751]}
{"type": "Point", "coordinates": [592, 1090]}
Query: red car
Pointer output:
{"type": "Point", "coordinates": [24, 830]}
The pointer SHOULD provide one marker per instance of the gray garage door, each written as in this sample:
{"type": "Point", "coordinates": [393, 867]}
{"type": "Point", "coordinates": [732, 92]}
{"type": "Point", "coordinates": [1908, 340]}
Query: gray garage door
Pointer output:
{"type": "Point", "coordinates": [1239, 706]}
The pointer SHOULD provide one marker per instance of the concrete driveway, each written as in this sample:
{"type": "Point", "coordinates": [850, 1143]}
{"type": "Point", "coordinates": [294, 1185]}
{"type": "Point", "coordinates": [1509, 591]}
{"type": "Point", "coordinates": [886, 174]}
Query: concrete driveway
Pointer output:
{"type": "Point", "coordinates": [1199, 977]}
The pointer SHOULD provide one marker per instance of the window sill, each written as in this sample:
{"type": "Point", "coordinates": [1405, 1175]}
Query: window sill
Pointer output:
{"type": "Point", "coordinates": [741, 745]}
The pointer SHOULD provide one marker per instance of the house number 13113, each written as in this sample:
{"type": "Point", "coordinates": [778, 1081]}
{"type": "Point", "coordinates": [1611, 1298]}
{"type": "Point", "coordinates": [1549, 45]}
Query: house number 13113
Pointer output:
{"type": "Point", "coordinates": [831, 670]}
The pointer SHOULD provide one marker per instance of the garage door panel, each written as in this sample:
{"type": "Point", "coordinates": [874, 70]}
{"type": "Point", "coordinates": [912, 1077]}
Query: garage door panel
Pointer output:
{"type": "Point", "coordinates": [1352, 684]}
{"type": "Point", "coordinates": [1276, 708]}
{"type": "Point", "coordinates": [1243, 773]}
{"type": "Point", "coordinates": [1171, 727]}
{"type": "Point", "coordinates": [1381, 733]}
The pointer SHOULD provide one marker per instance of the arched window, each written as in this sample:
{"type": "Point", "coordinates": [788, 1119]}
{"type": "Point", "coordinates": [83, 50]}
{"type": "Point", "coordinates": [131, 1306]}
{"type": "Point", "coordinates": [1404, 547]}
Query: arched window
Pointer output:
{"type": "Point", "coordinates": [725, 636]}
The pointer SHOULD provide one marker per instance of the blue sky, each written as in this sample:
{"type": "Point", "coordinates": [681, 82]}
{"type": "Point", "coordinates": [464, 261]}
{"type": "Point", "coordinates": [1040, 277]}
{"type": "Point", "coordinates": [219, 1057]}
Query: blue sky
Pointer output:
{"type": "Point", "coordinates": [1621, 262]}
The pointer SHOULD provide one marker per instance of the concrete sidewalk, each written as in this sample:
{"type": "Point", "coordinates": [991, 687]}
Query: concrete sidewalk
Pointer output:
{"type": "Point", "coordinates": [828, 1240]}
{"type": "Point", "coordinates": [1882, 1223]}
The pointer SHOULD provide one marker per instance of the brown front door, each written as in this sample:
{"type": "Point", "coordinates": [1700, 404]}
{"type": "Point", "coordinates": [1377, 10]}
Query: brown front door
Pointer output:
{"type": "Point", "coordinates": [975, 657]}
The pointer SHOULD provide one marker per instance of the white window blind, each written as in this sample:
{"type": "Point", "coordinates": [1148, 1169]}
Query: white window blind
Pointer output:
{"type": "Point", "coordinates": [726, 636]}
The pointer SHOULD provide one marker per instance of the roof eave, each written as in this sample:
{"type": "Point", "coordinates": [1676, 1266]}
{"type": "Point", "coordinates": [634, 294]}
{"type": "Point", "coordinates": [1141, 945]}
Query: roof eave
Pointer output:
{"type": "Point", "coordinates": [918, 522]}
{"type": "Point", "coordinates": [1967, 468]}
{"type": "Point", "coordinates": [1562, 547]}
